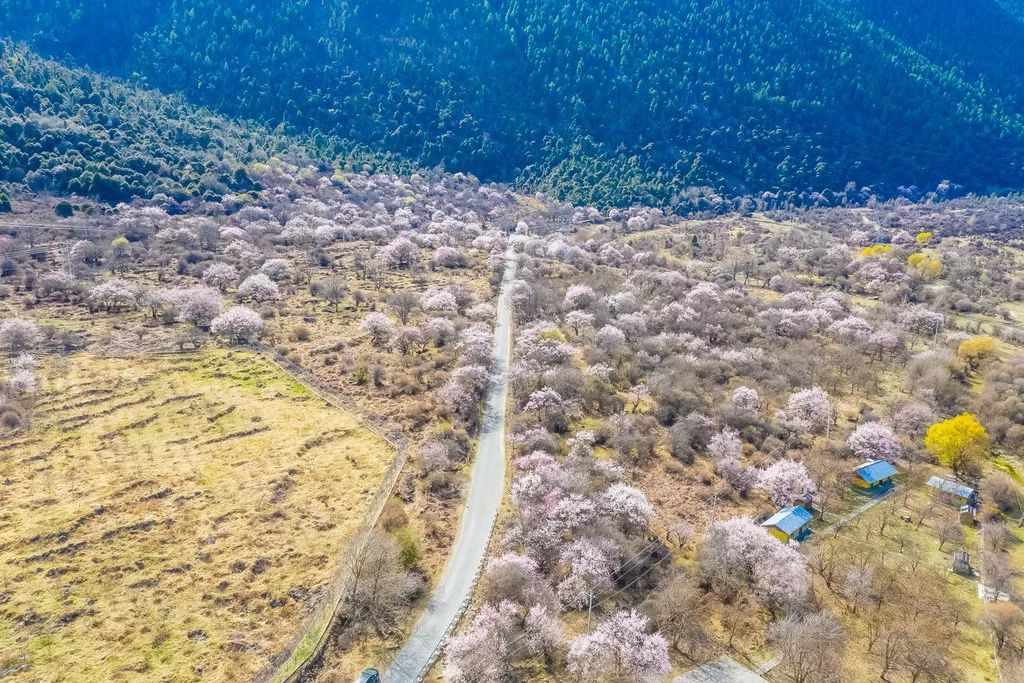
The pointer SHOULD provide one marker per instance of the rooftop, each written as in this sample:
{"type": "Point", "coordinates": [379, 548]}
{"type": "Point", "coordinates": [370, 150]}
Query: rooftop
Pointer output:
{"type": "Point", "coordinates": [789, 519]}
{"type": "Point", "coordinates": [874, 471]}
{"type": "Point", "coordinates": [953, 487]}
{"type": "Point", "coordinates": [722, 670]}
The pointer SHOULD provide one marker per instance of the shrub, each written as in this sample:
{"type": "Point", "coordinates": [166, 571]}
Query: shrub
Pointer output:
{"type": "Point", "coordinates": [408, 548]}
{"type": "Point", "coordinates": [393, 516]}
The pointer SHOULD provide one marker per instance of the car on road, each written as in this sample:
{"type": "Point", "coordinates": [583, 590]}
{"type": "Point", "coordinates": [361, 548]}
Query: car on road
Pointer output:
{"type": "Point", "coordinates": [369, 676]}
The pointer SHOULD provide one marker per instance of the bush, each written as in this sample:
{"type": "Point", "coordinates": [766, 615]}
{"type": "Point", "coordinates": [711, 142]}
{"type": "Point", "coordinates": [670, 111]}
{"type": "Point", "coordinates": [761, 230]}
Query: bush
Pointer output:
{"type": "Point", "coordinates": [64, 210]}
{"type": "Point", "coordinates": [301, 333]}
{"type": "Point", "coordinates": [408, 548]}
{"type": "Point", "coordinates": [393, 516]}
{"type": "Point", "coordinates": [442, 485]}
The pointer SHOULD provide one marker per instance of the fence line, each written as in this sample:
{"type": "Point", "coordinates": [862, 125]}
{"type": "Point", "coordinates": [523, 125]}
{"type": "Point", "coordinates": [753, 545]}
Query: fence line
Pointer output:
{"type": "Point", "coordinates": [305, 648]}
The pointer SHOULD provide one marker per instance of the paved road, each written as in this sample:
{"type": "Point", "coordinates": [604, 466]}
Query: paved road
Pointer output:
{"type": "Point", "coordinates": [486, 487]}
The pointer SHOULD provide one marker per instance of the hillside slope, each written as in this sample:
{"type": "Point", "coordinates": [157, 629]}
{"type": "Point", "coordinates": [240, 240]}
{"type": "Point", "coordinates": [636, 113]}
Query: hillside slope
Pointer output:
{"type": "Point", "coordinates": [606, 102]}
{"type": "Point", "coordinates": [70, 131]}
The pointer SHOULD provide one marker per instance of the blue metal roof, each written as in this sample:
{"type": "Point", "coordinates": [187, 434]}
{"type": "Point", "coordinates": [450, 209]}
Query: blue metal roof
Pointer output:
{"type": "Point", "coordinates": [789, 519]}
{"type": "Point", "coordinates": [953, 487]}
{"type": "Point", "coordinates": [875, 471]}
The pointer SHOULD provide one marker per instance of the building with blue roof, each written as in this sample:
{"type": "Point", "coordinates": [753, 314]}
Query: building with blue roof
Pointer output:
{"type": "Point", "coordinates": [789, 523]}
{"type": "Point", "coordinates": [874, 475]}
{"type": "Point", "coordinates": [960, 493]}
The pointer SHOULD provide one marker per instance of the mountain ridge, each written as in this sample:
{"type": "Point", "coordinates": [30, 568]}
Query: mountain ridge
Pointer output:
{"type": "Point", "coordinates": [611, 104]}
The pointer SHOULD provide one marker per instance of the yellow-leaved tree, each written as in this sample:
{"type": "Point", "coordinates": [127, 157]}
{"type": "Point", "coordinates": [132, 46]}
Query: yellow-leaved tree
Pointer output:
{"type": "Point", "coordinates": [876, 251]}
{"type": "Point", "coordinates": [973, 351]}
{"type": "Point", "coordinates": [929, 267]}
{"type": "Point", "coordinates": [957, 440]}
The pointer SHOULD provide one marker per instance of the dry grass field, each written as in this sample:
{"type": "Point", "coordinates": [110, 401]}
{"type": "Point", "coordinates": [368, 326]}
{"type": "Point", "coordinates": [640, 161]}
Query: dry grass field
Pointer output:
{"type": "Point", "coordinates": [172, 518]}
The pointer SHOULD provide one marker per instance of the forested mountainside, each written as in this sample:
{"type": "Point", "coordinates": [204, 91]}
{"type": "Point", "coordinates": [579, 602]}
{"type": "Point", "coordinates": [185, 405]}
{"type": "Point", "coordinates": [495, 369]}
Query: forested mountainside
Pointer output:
{"type": "Point", "coordinates": [69, 131]}
{"type": "Point", "coordinates": [600, 102]}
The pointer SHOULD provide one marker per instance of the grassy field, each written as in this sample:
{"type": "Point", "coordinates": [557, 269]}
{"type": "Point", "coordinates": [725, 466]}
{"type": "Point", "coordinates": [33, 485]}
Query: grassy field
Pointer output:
{"type": "Point", "coordinates": [173, 518]}
{"type": "Point", "coordinates": [914, 552]}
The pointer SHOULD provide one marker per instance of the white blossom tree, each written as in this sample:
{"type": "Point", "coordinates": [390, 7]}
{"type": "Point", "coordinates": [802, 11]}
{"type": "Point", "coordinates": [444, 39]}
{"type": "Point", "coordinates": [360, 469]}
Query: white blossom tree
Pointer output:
{"type": "Point", "coordinates": [259, 288]}
{"type": "Point", "coordinates": [220, 275]}
{"type": "Point", "coordinates": [379, 326]}
{"type": "Point", "coordinates": [238, 324]}
{"type": "Point", "coordinates": [18, 335]}
{"type": "Point", "coordinates": [198, 305]}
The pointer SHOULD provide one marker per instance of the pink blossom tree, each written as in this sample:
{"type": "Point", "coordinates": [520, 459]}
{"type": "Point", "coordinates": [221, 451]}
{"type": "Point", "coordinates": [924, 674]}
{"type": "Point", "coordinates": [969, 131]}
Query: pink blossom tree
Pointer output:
{"type": "Point", "coordinates": [406, 338]}
{"type": "Point", "coordinates": [589, 571]}
{"type": "Point", "coordinates": [438, 299]}
{"type": "Point", "coordinates": [549, 406]}
{"type": "Point", "coordinates": [620, 648]}
{"type": "Point", "coordinates": [626, 505]}
{"type": "Point", "coordinates": [913, 419]}
{"type": "Point", "coordinates": [464, 389]}
{"type": "Point", "coordinates": [440, 331]}
{"type": "Point", "coordinates": [784, 481]}
{"type": "Point", "coordinates": [875, 441]}
{"type": "Point", "coordinates": [578, 296]}
{"type": "Point", "coordinates": [807, 411]}
{"type": "Point", "coordinates": [114, 295]}
{"type": "Point", "coordinates": [851, 329]}
{"type": "Point", "coordinates": [610, 339]}
{"type": "Point", "coordinates": [885, 339]}
{"type": "Point", "coordinates": [449, 257]}
{"type": "Point", "coordinates": [579, 321]}
{"type": "Point", "coordinates": [399, 254]}
{"type": "Point", "coordinates": [738, 553]}
{"type": "Point", "coordinates": [725, 445]}
{"type": "Point", "coordinates": [481, 652]}
{"type": "Point", "coordinates": [476, 344]}
{"type": "Point", "coordinates": [276, 269]}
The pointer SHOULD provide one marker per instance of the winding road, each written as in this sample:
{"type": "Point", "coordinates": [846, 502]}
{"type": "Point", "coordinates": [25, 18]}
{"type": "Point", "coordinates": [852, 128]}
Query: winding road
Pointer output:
{"type": "Point", "coordinates": [486, 488]}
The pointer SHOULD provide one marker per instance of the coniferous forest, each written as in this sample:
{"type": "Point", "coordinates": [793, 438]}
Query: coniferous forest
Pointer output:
{"type": "Point", "coordinates": [809, 101]}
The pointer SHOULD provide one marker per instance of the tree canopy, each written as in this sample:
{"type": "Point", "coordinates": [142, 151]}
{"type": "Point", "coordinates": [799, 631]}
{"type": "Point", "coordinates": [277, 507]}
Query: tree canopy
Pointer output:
{"type": "Point", "coordinates": [807, 101]}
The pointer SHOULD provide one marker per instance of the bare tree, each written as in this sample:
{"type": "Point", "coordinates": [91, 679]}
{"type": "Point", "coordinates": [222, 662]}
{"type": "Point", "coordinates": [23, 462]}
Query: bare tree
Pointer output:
{"type": "Point", "coordinates": [950, 532]}
{"type": "Point", "coordinates": [403, 304]}
{"type": "Point", "coordinates": [382, 589]}
{"type": "Point", "coordinates": [680, 611]}
{"type": "Point", "coordinates": [811, 647]}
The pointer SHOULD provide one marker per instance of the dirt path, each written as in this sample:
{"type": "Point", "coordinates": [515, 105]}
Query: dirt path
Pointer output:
{"type": "Point", "coordinates": [486, 486]}
{"type": "Point", "coordinates": [856, 512]}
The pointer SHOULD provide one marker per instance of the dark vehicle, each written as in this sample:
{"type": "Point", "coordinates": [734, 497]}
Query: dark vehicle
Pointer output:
{"type": "Point", "coordinates": [369, 676]}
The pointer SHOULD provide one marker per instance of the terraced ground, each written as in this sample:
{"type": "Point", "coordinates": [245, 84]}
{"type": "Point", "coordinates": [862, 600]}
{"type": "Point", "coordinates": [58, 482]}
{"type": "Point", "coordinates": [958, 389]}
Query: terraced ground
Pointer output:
{"type": "Point", "coordinates": [172, 517]}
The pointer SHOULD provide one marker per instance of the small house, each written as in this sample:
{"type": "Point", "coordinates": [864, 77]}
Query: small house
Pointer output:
{"type": "Point", "coordinates": [961, 494]}
{"type": "Point", "coordinates": [789, 523]}
{"type": "Point", "coordinates": [873, 475]}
